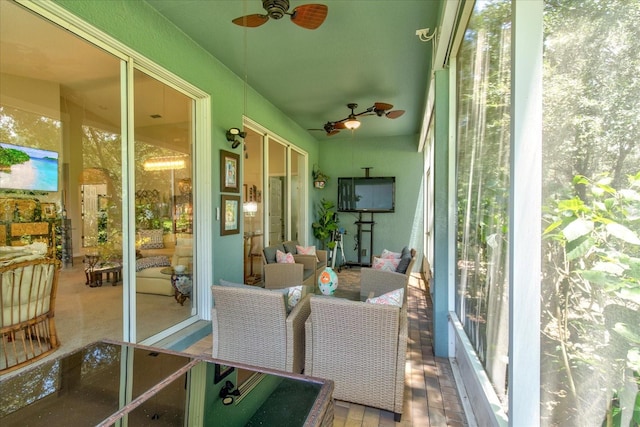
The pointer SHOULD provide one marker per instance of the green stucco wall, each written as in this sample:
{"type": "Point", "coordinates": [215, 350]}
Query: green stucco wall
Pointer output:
{"type": "Point", "coordinates": [393, 156]}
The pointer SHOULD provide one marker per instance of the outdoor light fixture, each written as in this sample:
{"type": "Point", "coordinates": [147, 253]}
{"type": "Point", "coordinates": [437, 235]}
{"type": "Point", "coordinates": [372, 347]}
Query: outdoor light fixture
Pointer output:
{"type": "Point", "coordinates": [352, 123]}
{"type": "Point", "coordinates": [231, 136]}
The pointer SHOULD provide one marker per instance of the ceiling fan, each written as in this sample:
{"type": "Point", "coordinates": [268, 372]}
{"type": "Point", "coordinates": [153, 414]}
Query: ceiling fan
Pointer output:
{"type": "Point", "coordinates": [351, 122]}
{"type": "Point", "coordinates": [309, 16]}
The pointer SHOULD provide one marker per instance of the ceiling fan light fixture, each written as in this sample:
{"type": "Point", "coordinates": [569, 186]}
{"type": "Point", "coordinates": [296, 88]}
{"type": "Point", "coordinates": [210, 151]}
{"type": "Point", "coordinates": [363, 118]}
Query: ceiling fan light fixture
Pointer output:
{"type": "Point", "coordinates": [352, 123]}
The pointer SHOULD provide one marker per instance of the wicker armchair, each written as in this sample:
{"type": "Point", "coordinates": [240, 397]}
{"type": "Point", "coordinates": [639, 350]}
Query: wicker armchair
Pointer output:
{"type": "Point", "coordinates": [27, 302]}
{"type": "Point", "coordinates": [361, 347]}
{"type": "Point", "coordinates": [380, 282]}
{"type": "Point", "coordinates": [277, 275]}
{"type": "Point", "coordinates": [251, 325]}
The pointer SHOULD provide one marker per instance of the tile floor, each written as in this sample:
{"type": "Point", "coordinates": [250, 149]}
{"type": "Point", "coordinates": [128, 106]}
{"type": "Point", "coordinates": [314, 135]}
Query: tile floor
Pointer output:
{"type": "Point", "coordinates": [431, 397]}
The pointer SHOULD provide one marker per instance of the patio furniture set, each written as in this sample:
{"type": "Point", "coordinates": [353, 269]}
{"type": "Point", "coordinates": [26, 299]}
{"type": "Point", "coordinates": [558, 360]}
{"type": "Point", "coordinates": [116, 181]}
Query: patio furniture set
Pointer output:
{"type": "Point", "coordinates": [359, 345]}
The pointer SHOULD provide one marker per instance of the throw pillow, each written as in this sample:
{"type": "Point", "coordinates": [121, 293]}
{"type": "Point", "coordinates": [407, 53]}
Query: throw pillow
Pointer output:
{"type": "Point", "coordinates": [405, 260]}
{"type": "Point", "coordinates": [290, 246]}
{"type": "Point", "coordinates": [390, 298]}
{"type": "Point", "coordinates": [389, 264]}
{"type": "Point", "coordinates": [184, 241]}
{"type": "Point", "coordinates": [388, 254]}
{"type": "Point", "coordinates": [293, 296]}
{"type": "Point", "coordinates": [270, 252]}
{"type": "Point", "coordinates": [284, 258]}
{"type": "Point", "coordinates": [152, 261]}
{"type": "Point", "coordinates": [309, 250]}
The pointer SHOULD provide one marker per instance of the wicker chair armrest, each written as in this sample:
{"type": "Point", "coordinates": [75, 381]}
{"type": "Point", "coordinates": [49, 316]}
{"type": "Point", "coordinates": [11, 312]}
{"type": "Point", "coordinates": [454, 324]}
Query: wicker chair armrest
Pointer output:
{"type": "Point", "coordinates": [309, 261]}
{"type": "Point", "coordinates": [295, 325]}
{"type": "Point", "coordinates": [308, 346]}
{"type": "Point", "coordinates": [403, 336]}
{"type": "Point", "coordinates": [322, 255]}
{"type": "Point", "coordinates": [380, 282]}
{"type": "Point", "coordinates": [278, 276]}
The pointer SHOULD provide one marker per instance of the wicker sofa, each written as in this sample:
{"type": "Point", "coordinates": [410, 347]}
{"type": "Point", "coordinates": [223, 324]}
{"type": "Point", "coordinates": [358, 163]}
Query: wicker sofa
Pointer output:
{"type": "Point", "coordinates": [250, 325]}
{"type": "Point", "coordinates": [27, 305]}
{"type": "Point", "coordinates": [380, 281]}
{"type": "Point", "coordinates": [361, 347]}
{"type": "Point", "coordinates": [277, 275]}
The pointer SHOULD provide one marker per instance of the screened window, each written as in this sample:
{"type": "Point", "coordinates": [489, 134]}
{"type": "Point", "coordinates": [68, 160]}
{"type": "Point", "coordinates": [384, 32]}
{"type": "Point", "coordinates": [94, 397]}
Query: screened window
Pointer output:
{"type": "Point", "coordinates": [483, 121]}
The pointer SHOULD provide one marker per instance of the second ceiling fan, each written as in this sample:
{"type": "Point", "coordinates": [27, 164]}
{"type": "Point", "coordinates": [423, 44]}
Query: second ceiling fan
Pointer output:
{"type": "Point", "coordinates": [351, 122]}
{"type": "Point", "coordinates": [309, 16]}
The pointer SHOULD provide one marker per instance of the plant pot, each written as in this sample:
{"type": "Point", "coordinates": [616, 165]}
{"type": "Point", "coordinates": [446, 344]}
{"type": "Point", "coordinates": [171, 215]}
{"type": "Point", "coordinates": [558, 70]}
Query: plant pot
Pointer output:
{"type": "Point", "coordinates": [319, 184]}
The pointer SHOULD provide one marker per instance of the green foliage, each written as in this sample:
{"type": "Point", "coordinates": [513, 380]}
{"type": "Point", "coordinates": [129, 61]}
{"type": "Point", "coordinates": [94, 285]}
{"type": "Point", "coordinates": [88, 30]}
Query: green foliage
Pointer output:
{"type": "Point", "coordinates": [591, 317]}
{"type": "Point", "coordinates": [326, 224]}
{"type": "Point", "coordinates": [10, 156]}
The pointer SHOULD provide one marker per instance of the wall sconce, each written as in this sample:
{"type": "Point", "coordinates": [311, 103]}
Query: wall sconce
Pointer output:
{"type": "Point", "coordinates": [231, 136]}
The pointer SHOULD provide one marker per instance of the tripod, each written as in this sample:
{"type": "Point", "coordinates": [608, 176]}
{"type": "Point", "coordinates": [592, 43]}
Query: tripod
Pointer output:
{"type": "Point", "coordinates": [337, 239]}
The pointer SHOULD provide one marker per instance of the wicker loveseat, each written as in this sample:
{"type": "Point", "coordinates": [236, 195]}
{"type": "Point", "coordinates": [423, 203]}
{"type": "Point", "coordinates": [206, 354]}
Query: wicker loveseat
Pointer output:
{"type": "Point", "coordinates": [380, 281]}
{"type": "Point", "coordinates": [361, 347]}
{"type": "Point", "coordinates": [27, 304]}
{"type": "Point", "coordinates": [278, 275]}
{"type": "Point", "coordinates": [251, 325]}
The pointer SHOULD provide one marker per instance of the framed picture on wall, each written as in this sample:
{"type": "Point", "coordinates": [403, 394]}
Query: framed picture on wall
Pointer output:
{"type": "Point", "coordinates": [229, 172]}
{"type": "Point", "coordinates": [220, 372]}
{"type": "Point", "coordinates": [230, 223]}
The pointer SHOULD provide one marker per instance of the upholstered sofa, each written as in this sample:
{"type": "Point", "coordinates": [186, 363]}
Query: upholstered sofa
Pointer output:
{"type": "Point", "coordinates": [361, 347]}
{"type": "Point", "coordinates": [380, 281]}
{"type": "Point", "coordinates": [149, 276]}
{"type": "Point", "coordinates": [251, 325]}
{"type": "Point", "coordinates": [277, 275]}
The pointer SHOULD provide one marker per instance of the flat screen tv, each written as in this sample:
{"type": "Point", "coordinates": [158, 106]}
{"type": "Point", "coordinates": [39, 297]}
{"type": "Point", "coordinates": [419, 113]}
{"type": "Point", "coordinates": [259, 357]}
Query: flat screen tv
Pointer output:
{"type": "Point", "coordinates": [26, 168]}
{"type": "Point", "coordinates": [367, 194]}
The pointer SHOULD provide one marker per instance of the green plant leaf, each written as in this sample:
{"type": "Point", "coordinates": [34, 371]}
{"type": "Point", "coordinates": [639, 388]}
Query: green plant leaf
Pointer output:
{"type": "Point", "coordinates": [623, 233]}
{"type": "Point", "coordinates": [630, 294]}
{"type": "Point", "coordinates": [579, 247]}
{"type": "Point", "coordinates": [577, 229]}
{"type": "Point", "coordinates": [627, 333]}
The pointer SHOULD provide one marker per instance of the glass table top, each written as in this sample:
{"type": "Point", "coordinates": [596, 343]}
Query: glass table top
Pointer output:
{"type": "Point", "coordinates": [111, 383]}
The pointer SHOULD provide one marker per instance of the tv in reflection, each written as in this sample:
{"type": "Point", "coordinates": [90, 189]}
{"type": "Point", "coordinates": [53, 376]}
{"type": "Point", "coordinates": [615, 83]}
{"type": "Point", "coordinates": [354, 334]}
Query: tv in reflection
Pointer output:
{"type": "Point", "coordinates": [27, 168]}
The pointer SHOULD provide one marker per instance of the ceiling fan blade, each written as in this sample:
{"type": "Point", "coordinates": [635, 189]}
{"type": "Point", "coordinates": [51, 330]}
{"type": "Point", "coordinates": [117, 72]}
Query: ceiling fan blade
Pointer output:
{"type": "Point", "coordinates": [309, 16]}
{"type": "Point", "coordinates": [251, 21]}
{"type": "Point", "coordinates": [382, 106]}
{"type": "Point", "coordinates": [333, 132]}
{"type": "Point", "coordinates": [394, 114]}
{"type": "Point", "coordinates": [340, 125]}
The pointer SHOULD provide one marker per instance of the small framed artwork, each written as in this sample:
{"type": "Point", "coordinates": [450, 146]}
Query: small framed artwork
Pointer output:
{"type": "Point", "coordinates": [220, 372]}
{"type": "Point", "coordinates": [48, 210]}
{"type": "Point", "coordinates": [229, 172]}
{"type": "Point", "coordinates": [230, 223]}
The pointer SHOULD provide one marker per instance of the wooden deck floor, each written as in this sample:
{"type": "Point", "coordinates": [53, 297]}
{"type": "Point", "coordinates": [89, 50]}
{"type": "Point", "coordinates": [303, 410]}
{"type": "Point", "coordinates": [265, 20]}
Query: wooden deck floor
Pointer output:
{"type": "Point", "coordinates": [431, 397]}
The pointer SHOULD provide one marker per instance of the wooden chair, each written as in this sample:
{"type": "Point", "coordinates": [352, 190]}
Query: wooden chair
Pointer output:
{"type": "Point", "coordinates": [27, 303]}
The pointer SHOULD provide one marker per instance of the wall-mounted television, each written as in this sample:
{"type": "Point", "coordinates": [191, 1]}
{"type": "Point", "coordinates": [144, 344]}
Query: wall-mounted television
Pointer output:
{"type": "Point", "coordinates": [367, 194]}
{"type": "Point", "coordinates": [26, 168]}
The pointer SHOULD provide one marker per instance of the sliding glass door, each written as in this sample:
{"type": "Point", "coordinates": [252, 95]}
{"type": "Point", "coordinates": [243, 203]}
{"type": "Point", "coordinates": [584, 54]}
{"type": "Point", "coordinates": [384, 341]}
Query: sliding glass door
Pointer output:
{"type": "Point", "coordinates": [163, 141]}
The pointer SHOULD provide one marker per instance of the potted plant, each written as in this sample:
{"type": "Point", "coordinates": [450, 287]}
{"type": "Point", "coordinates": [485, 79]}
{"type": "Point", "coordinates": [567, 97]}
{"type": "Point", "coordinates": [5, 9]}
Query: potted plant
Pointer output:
{"type": "Point", "coordinates": [326, 224]}
{"type": "Point", "coordinates": [319, 177]}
